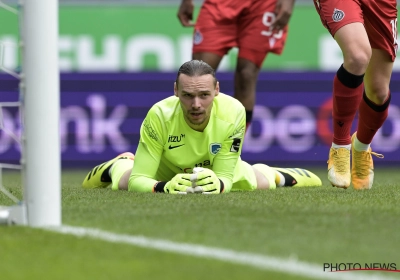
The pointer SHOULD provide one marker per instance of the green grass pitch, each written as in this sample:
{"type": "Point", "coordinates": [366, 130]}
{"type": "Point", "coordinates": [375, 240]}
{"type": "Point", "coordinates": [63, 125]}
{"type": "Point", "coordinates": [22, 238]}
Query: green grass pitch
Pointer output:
{"type": "Point", "coordinates": [314, 225]}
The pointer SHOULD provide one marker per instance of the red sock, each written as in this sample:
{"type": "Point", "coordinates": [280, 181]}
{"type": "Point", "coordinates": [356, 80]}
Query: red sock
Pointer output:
{"type": "Point", "coordinates": [345, 104]}
{"type": "Point", "coordinates": [371, 118]}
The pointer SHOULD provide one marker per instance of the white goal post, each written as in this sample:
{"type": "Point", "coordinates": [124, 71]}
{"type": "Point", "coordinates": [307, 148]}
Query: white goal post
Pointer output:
{"type": "Point", "coordinates": [40, 87]}
{"type": "Point", "coordinates": [40, 108]}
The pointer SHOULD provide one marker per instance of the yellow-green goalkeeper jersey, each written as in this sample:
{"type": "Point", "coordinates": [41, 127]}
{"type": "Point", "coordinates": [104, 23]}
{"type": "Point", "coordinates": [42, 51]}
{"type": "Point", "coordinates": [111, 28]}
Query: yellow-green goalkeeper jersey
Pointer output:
{"type": "Point", "coordinates": [168, 145]}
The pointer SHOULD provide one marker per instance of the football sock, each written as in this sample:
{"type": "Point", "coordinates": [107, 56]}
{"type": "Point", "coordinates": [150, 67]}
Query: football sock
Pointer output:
{"type": "Point", "coordinates": [284, 179]}
{"type": "Point", "coordinates": [249, 118]}
{"type": "Point", "coordinates": [371, 118]}
{"type": "Point", "coordinates": [268, 172]}
{"type": "Point", "coordinates": [347, 94]}
{"type": "Point", "coordinates": [118, 169]}
{"type": "Point", "coordinates": [279, 179]}
{"type": "Point", "coordinates": [105, 177]}
{"type": "Point", "coordinates": [358, 146]}
{"type": "Point", "coordinates": [336, 146]}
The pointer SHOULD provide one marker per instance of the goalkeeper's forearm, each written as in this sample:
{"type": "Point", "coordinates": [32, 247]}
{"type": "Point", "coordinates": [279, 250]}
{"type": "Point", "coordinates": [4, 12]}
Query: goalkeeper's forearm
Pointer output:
{"type": "Point", "coordinates": [227, 184]}
{"type": "Point", "coordinates": [145, 184]}
{"type": "Point", "coordinates": [141, 184]}
{"type": "Point", "coordinates": [178, 184]}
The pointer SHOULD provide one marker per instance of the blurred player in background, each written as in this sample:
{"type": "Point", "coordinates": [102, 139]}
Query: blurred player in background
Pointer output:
{"type": "Point", "coordinates": [366, 32]}
{"type": "Point", "coordinates": [197, 127]}
{"type": "Point", "coordinates": [256, 27]}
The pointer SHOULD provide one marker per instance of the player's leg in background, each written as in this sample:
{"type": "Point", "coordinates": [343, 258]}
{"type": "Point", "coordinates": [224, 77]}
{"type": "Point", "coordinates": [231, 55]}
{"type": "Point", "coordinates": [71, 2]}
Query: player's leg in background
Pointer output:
{"type": "Point", "coordinates": [211, 59]}
{"type": "Point", "coordinates": [347, 94]}
{"type": "Point", "coordinates": [214, 34]}
{"type": "Point", "coordinates": [220, 28]}
{"type": "Point", "coordinates": [255, 40]}
{"type": "Point", "coordinates": [373, 112]}
{"type": "Point", "coordinates": [246, 76]}
{"type": "Point", "coordinates": [346, 26]}
{"type": "Point", "coordinates": [381, 26]}
{"type": "Point", "coordinates": [374, 106]}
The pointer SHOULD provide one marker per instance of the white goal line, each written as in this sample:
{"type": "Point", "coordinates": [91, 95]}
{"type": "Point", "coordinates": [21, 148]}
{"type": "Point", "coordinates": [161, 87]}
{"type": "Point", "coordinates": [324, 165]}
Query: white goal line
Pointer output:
{"type": "Point", "coordinates": [264, 262]}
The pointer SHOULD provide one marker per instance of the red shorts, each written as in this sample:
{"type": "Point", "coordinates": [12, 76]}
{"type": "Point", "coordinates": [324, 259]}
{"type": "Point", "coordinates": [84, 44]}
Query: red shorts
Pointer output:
{"type": "Point", "coordinates": [379, 18]}
{"type": "Point", "coordinates": [224, 24]}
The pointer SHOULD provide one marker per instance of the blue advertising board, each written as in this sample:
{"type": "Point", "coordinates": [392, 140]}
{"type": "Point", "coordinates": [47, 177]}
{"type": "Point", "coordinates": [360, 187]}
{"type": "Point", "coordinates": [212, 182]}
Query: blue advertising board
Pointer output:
{"type": "Point", "coordinates": [101, 115]}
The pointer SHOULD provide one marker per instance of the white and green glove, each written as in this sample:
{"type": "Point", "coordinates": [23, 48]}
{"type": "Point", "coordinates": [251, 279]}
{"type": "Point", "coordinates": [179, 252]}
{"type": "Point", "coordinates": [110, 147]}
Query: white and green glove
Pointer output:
{"type": "Point", "coordinates": [180, 184]}
{"type": "Point", "coordinates": [205, 181]}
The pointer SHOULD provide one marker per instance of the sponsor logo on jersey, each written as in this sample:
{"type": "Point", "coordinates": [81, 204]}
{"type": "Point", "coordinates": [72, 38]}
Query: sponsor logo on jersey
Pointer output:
{"type": "Point", "coordinates": [338, 15]}
{"type": "Point", "coordinates": [173, 147]}
{"type": "Point", "coordinates": [200, 164]}
{"type": "Point", "coordinates": [215, 148]}
{"type": "Point", "coordinates": [197, 37]}
{"type": "Point", "coordinates": [150, 130]}
{"type": "Point", "coordinates": [236, 145]}
{"type": "Point", "coordinates": [175, 139]}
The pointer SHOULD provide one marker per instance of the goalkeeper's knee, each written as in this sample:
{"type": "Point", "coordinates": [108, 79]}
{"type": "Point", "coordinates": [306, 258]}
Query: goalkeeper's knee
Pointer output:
{"type": "Point", "coordinates": [118, 169]}
{"type": "Point", "coordinates": [269, 174]}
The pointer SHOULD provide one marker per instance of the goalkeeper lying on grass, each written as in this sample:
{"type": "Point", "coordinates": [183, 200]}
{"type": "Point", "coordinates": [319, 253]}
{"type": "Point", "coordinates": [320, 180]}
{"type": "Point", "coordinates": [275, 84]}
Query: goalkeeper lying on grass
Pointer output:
{"type": "Point", "coordinates": [197, 127]}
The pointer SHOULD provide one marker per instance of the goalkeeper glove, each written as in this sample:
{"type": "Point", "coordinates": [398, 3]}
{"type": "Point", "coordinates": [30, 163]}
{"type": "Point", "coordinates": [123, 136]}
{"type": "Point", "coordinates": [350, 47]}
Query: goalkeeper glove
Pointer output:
{"type": "Point", "coordinates": [207, 182]}
{"type": "Point", "coordinates": [179, 184]}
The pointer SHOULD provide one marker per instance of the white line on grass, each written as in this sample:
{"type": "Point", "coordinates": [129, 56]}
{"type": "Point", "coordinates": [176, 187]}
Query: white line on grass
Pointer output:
{"type": "Point", "coordinates": [264, 262]}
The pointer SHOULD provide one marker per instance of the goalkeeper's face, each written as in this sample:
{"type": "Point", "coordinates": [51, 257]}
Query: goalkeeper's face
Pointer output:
{"type": "Point", "coordinates": [196, 95]}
